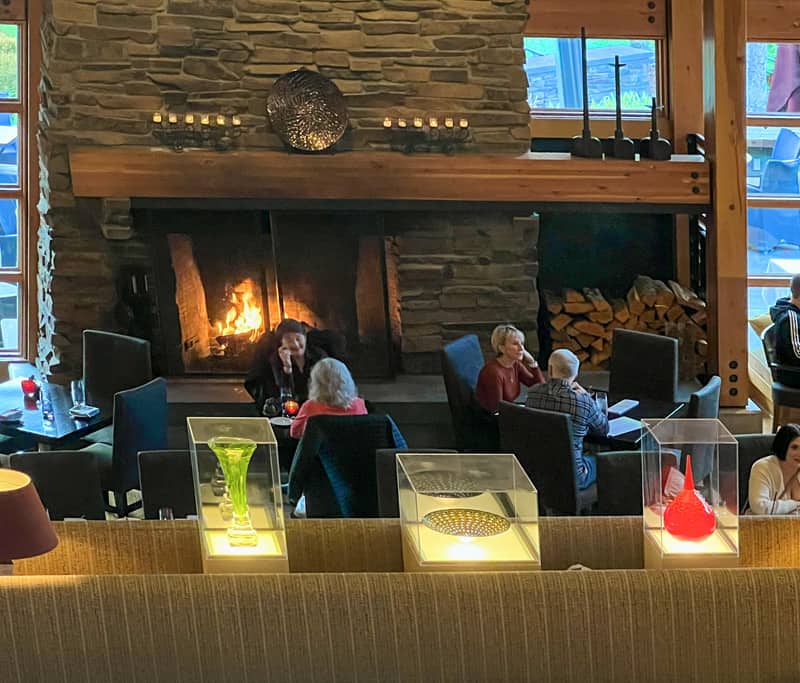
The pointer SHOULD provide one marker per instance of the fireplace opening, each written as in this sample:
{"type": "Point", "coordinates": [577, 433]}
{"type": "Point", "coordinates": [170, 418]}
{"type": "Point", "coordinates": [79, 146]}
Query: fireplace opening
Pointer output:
{"type": "Point", "coordinates": [223, 278]}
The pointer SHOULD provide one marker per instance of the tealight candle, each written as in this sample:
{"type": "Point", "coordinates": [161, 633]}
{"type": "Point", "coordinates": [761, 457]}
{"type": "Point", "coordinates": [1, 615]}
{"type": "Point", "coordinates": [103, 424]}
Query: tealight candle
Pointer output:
{"type": "Point", "coordinates": [387, 122]}
{"type": "Point", "coordinates": [433, 122]}
{"type": "Point", "coordinates": [189, 119]}
{"type": "Point", "coordinates": [402, 123]}
{"type": "Point", "coordinates": [157, 117]}
{"type": "Point", "coordinates": [417, 122]}
{"type": "Point", "coordinates": [204, 120]}
{"type": "Point", "coordinates": [463, 123]}
{"type": "Point", "coordinates": [291, 407]}
{"type": "Point", "coordinates": [236, 121]}
{"type": "Point", "coordinates": [220, 120]}
{"type": "Point", "coordinates": [448, 122]}
{"type": "Point", "coordinates": [173, 118]}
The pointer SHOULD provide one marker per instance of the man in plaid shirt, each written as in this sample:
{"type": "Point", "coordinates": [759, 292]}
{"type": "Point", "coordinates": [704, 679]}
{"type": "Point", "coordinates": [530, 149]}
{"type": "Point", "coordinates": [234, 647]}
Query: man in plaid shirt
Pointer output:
{"type": "Point", "coordinates": [562, 394]}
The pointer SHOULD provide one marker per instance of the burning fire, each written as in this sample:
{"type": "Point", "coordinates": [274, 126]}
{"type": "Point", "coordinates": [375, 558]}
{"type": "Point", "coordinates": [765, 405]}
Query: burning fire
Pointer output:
{"type": "Point", "coordinates": [245, 315]}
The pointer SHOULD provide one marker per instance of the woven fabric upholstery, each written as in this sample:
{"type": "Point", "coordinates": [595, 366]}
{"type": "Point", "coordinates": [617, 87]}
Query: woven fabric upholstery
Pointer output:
{"type": "Point", "coordinates": [643, 365]}
{"type": "Point", "coordinates": [542, 442]}
{"type": "Point", "coordinates": [475, 429]}
{"type": "Point", "coordinates": [334, 465]}
{"type": "Point", "coordinates": [517, 626]}
{"type": "Point", "coordinates": [68, 482]}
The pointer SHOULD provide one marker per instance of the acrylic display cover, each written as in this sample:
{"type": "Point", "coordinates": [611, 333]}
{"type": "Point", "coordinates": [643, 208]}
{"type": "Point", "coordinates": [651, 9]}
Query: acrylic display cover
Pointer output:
{"type": "Point", "coordinates": [461, 509]}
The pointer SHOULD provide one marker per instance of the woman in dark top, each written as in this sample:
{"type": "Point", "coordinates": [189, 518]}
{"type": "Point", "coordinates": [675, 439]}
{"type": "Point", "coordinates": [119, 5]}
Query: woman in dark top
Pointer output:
{"type": "Point", "coordinates": [283, 360]}
{"type": "Point", "coordinates": [499, 380]}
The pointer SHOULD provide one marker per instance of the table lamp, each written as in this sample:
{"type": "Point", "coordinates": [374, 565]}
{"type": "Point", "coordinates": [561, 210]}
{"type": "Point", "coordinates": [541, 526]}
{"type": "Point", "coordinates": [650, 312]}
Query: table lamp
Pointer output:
{"type": "Point", "coordinates": [25, 528]}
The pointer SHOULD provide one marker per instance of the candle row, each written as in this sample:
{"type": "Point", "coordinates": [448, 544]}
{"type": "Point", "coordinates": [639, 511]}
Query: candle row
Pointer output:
{"type": "Point", "coordinates": [419, 122]}
{"type": "Point", "coordinates": [189, 119]}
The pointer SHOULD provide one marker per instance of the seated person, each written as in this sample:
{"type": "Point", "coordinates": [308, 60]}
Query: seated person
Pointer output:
{"type": "Point", "coordinates": [331, 391]}
{"type": "Point", "coordinates": [774, 483]}
{"type": "Point", "coordinates": [786, 316]}
{"type": "Point", "coordinates": [500, 378]}
{"type": "Point", "coordinates": [563, 394]}
{"type": "Point", "coordinates": [283, 360]}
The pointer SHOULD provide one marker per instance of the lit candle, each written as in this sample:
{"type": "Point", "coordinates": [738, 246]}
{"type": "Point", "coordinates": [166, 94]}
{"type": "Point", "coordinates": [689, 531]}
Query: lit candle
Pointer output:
{"type": "Point", "coordinates": [157, 117]}
{"type": "Point", "coordinates": [417, 122]}
{"type": "Point", "coordinates": [236, 121]}
{"type": "Point", "coordinates": [204, 120]}
{"type": "Point", "coordinates": [401, 123]}
{"type": "Point", "coordinates": [463, 123]}
{"type": "Point", "coordinates": [448, 122]}
{"type": "Point", "coordinates": [189, 119]}
{"type": "Point", "coordinates": [433, 122]}
{"type": "Point", "coordinates": [220, 120]}
{"type": "Point", "coordinates": [173, 118]}
{"type": "Point", "coordinates": [387, 122]}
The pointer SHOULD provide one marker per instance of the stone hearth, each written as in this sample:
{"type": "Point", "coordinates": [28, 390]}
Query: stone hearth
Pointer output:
{"type": "Point", "coordinates": [108, 66]}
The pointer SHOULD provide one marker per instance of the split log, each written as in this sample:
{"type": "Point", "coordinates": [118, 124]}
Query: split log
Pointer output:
{"type": "Point", "coordinates": [582, 355]}
{"type": "Point", "coordinates": [620, 309]}
{"type": "Point", "coordinates": [572, 345]}
{"type": "Point", "coordinates": [600, 357]}
{"type": "Point", "coordinates": [594, 296]}
{"type": "Point", "coordinates": [700, 317]}
{"type": "Point", "coordinates": [646, 289]}
{"type": "Point", "coordinates": [598, 344]}
{"type": "Point", "coordinates": [686, 297]}
{"type": "Point", "coordinates": [558, 335]}
{"type": "Point", "coordinates": [552, 302]}
{"type": "Point", "coordinates": [601, 316]}
{"type": "Point", "coordinates": [574, 296]}
{"type": "Point", "coordinates": [588, 327]}
{"type": "Point", "coordinates": [578, 307]}
{"type": "Point", "coordinates": [560, 321]}
{"type": "Point", "coordinates": [635, 304]}
{"type": "Point", "coordinates": [585, 340]}
{"type": "Point", "coordinates": [675, 313]}
{"type": "Point", "coordinates": [664, 295]}
{"type": "Point", "coordinates": [572, 331]}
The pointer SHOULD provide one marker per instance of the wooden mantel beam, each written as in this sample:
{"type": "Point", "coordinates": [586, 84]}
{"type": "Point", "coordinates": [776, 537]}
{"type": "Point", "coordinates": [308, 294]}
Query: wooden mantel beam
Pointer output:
{"type": "Point", "coordinates": [143, 172]}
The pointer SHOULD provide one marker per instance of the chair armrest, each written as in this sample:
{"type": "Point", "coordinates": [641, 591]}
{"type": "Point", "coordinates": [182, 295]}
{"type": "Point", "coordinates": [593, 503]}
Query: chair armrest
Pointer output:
{"type": "Point", "coordinates": [793, 369]}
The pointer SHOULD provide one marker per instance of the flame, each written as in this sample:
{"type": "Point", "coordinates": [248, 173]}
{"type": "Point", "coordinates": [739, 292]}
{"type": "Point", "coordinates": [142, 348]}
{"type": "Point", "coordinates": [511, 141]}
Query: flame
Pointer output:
{"type": "Point", "coordinates": [245, 315]}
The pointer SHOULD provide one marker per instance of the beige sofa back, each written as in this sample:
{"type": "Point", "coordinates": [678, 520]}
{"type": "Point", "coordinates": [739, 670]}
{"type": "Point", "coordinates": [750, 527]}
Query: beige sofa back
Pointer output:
{"type": "Point", "coordinates": [617, 626]}
{"type": "Point", "coordinates": [373, 545]}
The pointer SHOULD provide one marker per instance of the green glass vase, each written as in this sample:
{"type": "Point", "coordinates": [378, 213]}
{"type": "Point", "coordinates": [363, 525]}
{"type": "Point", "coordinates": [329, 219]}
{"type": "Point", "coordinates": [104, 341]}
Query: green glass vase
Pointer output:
{"type": "Point", "coordinates": [234, 456]}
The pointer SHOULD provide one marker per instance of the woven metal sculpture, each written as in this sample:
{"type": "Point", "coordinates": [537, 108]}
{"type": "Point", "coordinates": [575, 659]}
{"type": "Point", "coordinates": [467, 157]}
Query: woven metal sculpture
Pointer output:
{"type": "Point", "coordinates": [445, 484]}
{"type": "Point", "coordinates": [466, 522]}
{"type": "Point", "coordinates": [307, 110]}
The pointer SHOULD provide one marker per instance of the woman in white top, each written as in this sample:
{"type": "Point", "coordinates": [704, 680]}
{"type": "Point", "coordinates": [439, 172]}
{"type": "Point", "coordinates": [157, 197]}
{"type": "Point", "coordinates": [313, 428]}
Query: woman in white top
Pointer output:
{"type": "Point", "coordinates": [774, 480]}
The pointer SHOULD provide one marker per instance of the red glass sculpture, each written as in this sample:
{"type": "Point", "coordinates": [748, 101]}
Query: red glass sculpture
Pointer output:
{"type": "Point", "coordinates": [29, 387]}
{"type": "Point", "coordinates": [688, 517]}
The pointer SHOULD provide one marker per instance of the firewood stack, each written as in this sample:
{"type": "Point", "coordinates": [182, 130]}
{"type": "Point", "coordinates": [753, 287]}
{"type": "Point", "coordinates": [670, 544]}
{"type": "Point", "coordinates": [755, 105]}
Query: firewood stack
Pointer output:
{"type": "Point", "coordinates": [584, 321]}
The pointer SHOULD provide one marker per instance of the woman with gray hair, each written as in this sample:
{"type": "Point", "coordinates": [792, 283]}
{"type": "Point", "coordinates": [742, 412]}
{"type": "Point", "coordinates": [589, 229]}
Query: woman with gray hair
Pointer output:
{"type": "Point", "coordinates": [331, 391]}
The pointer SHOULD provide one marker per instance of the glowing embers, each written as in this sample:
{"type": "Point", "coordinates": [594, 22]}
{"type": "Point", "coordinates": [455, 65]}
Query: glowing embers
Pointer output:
{"type": "Point", "coordinates": [464, 522]}
{"type": "Point", "coordinates": [245, 315]}
{"type": "Point", "coordinates": [688, 517]}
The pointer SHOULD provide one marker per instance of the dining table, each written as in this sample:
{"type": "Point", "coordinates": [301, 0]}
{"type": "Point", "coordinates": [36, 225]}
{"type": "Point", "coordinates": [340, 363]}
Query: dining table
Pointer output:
{"type": "Point", "coordinates": [48, 434]}
{"type": "Point", "coordinates": [647, 409]}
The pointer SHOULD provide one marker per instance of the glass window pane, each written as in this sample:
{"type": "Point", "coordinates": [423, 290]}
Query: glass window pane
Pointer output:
{"type": "Point", "coordinates": [773, 78]}
{"type": "Point", "coordinates": [553, 66]}
{"type": "Point", "coordinates": [9, 316]}
{"type": "Point", "coordinates": [9, 161]}
{"type": "Point", "coordinates": [773, 241]}
{"type": "Point", "coordinates": [773, 160]}
{"type": "Point", "coordinates": [759, 301]}
{"type": "Point", "coordinates": [9, 252]}
{"type": "Point", "coordinates": [9, 61]}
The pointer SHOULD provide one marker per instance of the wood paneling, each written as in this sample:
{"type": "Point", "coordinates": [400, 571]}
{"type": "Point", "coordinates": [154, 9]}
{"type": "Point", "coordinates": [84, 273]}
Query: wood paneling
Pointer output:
{"type": "Point", "coordinates": [773, 20]}
{"type": "Point", "coordinates": [602, 18]}
{"type": "Point", "coordinates": [724, 88]}
{"type": "Point", "coordinates": [382, 176]}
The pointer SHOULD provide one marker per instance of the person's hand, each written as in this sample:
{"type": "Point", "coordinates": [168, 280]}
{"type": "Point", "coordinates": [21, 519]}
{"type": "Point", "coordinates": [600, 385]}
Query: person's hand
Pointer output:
{"type": "Point", "coordinates": [577, 387]}
{"type": "Point", "coordinates": [286, 359]}
{"type": "Point", "coordinates": [528, 359]}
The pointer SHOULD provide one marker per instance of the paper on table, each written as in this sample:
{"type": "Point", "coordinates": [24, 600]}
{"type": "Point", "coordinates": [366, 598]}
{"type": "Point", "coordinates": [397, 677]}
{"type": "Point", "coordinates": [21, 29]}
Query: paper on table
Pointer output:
{"type": "Point", "coordinates": [623, 406]}
{"type": "Point", "coordinates": [622, 425]}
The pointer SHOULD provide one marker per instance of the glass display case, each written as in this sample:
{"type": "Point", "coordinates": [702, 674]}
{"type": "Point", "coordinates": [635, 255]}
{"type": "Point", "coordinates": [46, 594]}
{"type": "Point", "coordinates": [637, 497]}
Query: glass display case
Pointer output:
{"type": "Point", "coordinates": [238, 493]}
{"type": "Point", "coordinates": [467, 512]}
{"type": "Point", "coordinates": [690, 492]}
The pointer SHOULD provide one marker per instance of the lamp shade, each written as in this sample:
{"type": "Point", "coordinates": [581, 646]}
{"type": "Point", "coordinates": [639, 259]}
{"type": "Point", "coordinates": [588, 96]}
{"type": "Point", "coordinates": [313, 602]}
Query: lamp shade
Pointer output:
{"type": "Point", "coordinates": [25, 528]}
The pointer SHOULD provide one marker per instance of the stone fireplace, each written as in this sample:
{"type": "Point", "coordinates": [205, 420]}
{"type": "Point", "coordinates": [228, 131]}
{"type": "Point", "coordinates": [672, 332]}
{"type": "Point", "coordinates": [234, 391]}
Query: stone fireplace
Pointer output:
{"type": "Point", "coordinates": [107, 67]}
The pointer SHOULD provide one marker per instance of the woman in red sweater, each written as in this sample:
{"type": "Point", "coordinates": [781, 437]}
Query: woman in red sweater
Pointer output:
{"type": "Point", "coordinates": [331, 391]}
{"type": "Point", "coordinates": [500, 378]}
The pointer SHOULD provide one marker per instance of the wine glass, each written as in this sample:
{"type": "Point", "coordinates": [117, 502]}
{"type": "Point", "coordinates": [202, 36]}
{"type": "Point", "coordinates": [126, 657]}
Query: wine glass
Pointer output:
{"type": "Point", "coordinates": [288, 405]}
{"type": "Point", "coordinates": [77, 391]}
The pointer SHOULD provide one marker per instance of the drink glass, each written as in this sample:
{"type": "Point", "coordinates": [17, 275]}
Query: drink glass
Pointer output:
{"type": "Point", "coordinates": [288, 404]}
{"type": "Point", "coordinates": [46, 401]}
{"type": "Point", "coordinates": [601, 399]}
{"type": "Point", "coordinates": [78, 392]}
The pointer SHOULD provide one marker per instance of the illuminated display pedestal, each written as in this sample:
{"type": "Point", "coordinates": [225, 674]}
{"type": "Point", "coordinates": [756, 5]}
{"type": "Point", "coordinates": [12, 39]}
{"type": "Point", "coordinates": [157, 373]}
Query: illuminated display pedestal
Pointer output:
{"type": "Point", "coordinates": [467, 512]}
{"type": "Point", "coordinates": [690, 494]}
{"type": "Point", "coordinates": [238, 494]}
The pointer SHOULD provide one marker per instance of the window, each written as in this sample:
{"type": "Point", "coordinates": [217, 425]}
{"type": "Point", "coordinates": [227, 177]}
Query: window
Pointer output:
{"type": "Point", "coordinates": [13, 190]}
{"type": "Point", "coordinates": [553, 67]}
{"type": "Point", "coordinates": [773, 170]}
